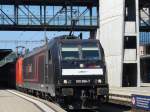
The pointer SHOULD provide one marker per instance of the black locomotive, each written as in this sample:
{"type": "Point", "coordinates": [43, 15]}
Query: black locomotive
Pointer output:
{"type": "Point", "coordinates": [69, 71]}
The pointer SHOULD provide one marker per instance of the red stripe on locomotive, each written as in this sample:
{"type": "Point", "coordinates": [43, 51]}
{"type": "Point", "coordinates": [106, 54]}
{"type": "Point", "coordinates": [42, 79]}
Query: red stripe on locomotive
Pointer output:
{"type": "Point", "coordinates": [19, 79]}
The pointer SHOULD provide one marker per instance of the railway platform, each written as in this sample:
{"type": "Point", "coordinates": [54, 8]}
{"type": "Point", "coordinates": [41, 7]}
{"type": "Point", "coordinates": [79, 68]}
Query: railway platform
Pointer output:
{"type": "Point", "coordinates": [122, 95]}
{"type": "Point", "coordinates": [14, 101]}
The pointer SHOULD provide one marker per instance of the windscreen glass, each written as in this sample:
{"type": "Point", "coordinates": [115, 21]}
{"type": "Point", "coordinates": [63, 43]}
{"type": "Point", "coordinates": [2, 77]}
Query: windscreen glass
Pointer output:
{"type": "Point", "coordinates": [91, 51]}
{"type": "Point", "coordinates": [70, 51]}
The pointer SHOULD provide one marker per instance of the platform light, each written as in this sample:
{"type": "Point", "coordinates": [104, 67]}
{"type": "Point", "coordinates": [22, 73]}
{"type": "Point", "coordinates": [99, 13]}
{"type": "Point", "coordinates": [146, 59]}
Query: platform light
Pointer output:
{"type": "Point", "coordinates": [81, 65]}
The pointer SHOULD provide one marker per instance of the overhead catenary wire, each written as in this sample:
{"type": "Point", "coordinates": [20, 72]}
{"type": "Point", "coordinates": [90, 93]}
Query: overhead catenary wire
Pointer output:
{"type": "Point", "coordinates": [26, 43]}
{"type": "Point", "coordinates": [20, 35]}
{"type": "Point", "coordinates": [21, 41]}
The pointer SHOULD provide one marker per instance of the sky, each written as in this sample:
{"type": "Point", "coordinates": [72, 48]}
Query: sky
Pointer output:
{"type": "Point", "coordinates": [29, 36]}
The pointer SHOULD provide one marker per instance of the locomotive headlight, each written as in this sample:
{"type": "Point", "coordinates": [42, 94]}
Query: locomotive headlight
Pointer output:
{"type": "Point", "coordinates": [99, 81]}
{"type": "Point", "coordinates": [81, 65]}
{"type": "Point", "coordinates": [65, 81]}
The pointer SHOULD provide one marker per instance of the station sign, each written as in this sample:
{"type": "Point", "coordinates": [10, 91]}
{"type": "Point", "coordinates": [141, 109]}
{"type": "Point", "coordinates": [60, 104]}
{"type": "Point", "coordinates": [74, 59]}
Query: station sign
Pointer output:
{"type": "Point", "coordinates": [140, 102]}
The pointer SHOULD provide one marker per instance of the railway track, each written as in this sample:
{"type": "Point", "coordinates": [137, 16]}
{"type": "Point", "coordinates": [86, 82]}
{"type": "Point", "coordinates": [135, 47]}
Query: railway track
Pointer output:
{"type": "Point", "coordinates": [108, 107]}
{"type": "Point", "coordinates": [83, 110]}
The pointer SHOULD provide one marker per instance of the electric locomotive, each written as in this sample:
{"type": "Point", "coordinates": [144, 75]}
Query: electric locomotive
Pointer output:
{"type": "Point", "coordinates": [69, 70]}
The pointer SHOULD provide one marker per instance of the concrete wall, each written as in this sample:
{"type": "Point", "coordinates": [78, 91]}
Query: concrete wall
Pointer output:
{"type": "Point", "coordinates": [111, 37]}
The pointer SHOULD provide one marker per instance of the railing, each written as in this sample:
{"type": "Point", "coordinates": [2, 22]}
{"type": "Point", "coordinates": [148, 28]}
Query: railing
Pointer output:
{"type": "Point", "coordinates": [49, 20]}
{"type": "Point", "coordinates": [51, 2]}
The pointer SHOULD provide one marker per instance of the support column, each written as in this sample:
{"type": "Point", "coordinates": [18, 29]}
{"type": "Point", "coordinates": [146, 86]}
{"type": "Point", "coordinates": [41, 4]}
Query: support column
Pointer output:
{"type": "Point", "coordinates": [111, 35]}
{"type": "Point", "coordinates": [44, 14]}
{"type": "Point", "coordinates": [138, 43]}
{"type": "Point", "coordinates": [41, 14]}
{"type": "Point", "coordinates": [16, 13]}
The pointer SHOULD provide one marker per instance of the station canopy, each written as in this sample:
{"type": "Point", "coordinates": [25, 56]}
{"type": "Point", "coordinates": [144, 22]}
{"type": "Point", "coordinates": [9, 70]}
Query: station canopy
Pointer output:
{"type": "Point", "coordinates": [4, 53]}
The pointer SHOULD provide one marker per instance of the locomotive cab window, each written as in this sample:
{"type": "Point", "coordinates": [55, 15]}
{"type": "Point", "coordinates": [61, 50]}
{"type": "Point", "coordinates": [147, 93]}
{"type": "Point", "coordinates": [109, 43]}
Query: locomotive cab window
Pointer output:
{"type": "Point", "coordinates": [69, 52]}
{"type": "Point", "coordinates": [91, 51]}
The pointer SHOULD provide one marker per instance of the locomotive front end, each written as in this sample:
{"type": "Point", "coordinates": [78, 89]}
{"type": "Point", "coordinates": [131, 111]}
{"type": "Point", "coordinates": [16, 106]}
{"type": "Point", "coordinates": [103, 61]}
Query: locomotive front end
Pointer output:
{"type": "Point", "coordinates": [83, 81]}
